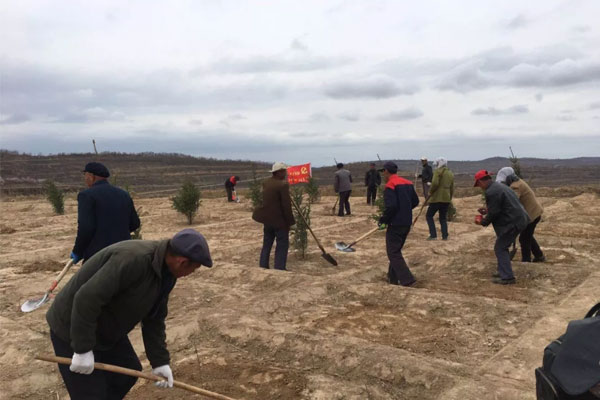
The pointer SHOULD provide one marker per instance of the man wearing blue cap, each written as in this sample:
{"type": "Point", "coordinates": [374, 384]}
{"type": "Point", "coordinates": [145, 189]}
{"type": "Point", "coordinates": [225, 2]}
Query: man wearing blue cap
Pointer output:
{"type": "Point", "coordinates": [105, 214]}
{"type": "Point", "coordinates": [120, 286]}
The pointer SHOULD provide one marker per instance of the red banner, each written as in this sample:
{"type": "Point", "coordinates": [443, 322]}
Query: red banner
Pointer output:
{"type": "Point", "coordinates": [299, 173]}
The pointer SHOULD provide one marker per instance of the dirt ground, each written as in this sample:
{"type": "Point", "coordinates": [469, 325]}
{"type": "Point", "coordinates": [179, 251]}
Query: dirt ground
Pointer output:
{"type": "Point", "coordinates": [318, 331]}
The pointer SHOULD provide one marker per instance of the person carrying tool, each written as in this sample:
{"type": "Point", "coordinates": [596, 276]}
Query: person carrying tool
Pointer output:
{"type": "Point", "coordinates": [343, 186]}
{"type": "Point", "coordinates": [509, 218]}
{"type": "Point", "coordinates": [105, 214]}
{"type": "Point", "coordinates": [372, 182]}
{"type": "Point", "coordinates": [400, 198]}
{"type": "Point", "coordinates": [230, 187]}
{"type": "Point", "coordinates": [276, 216]}
{"type": "Point", "coordinates": [120, 286]}
{"type": "Point", "coordinates": [534, 209]}
{"type": "Point", "coordinates": [426, 176]}
{"type": "Point", "coordinates": [440, 196]}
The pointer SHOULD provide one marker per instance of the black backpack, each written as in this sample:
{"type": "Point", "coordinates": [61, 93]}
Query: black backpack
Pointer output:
{"type": "Point", "coordinates": [571, 364]}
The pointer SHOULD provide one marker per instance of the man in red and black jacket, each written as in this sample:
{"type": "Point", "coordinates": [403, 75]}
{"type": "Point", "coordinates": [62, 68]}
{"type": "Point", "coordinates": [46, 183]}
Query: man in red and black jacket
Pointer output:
{"type": "Point", "coordinates": [400, 198]}
{"type": "Point", "coordinates": [230, 186]}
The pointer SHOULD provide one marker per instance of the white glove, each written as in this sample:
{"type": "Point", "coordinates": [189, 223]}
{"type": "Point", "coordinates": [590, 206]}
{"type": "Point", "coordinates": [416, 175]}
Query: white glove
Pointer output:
{"type": "Point", "coordinates": [82, 363]}
{"type": "Point", "coordinates": [165, 372]}
{"type": "Point", "coordinates": [428, 183]}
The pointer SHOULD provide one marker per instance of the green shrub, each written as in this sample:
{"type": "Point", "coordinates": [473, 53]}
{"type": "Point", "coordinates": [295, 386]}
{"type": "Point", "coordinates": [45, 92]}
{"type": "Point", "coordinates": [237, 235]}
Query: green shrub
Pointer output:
{"type": "Point", "coordinates": [55, 196]}
{"type": "Point", "coordinates": [187, 201]}
{"type": "Point", "coordinates": [379, 203]}
{"type": "Point", "coordinates": [255, 190]}
{"type": "Point", "coordinates": [300, 231]}
{"type": "Point", "coordinates": [312, 190]}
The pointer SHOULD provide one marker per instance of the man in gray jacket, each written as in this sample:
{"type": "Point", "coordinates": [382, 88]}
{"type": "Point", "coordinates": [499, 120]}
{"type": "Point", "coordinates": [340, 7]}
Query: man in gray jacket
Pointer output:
{"type": "Point", "coordinates": [505, 212]}
{"type": "Point", "coordinates": [343, 186]}
{"type": "Point", "coordinates": [121, 285]}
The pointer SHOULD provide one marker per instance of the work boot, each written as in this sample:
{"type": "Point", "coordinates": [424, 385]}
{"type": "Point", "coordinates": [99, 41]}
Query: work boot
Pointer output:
{"type": "Point", "coordinates": [541, 259]}
{"type": "Point", "coordinates": [432, 238]}
{"type": "Point", "coordinates": [499, 281]}
{"type": "Point", "coordinates": [495, 275]}
{"type": "Point", "coordinates": [445, 238]}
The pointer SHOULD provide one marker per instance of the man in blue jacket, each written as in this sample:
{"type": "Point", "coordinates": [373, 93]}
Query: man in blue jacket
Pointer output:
{"type": "Point", "coordinates": [400, 198]}
{"type": "Point", "coordinates": [105, 214]}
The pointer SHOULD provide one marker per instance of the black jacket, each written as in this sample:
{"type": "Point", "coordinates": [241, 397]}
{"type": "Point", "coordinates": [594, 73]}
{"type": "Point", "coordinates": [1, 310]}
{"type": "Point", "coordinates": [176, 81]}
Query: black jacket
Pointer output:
{"type": "Point", "coordinates": [427, 173]}
{"type": "Point", "coordinates": [504, 210]}
{"type": "Point", "coordinates": [372, 178]}
{"type": "Point", "coordinates": [105, 215]}
{"type": "Point", "coordinates": [400, 198]}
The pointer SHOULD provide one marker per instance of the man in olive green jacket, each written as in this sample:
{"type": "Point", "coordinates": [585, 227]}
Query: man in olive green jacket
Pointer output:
{"type": "Point", "coordinates": [440, 196]}
{"type": "Point", "coordinates": [121, 285]}
{"type": "Point", "coordinates": [277, 217]}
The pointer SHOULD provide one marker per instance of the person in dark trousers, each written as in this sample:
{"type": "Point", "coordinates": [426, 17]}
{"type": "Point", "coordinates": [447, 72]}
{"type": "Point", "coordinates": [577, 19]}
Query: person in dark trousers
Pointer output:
{"type": "Point", "coordinates": [343, 186]}
{"type": "Point", "coordinates": [276, 216]}
{"type": "Point", "coordinates": [400, 198]}
{"type": "Point", "coordinates": [230, 187]}
{"type": "Point", "coordinates": [105, 214]}
{"type": "Point", "coordinates": [372, 182]}
{"type": "Point", "coordinates": [426, 176]}
{"type": "Point", "coordinates": [509, 218]}
{"type": "Point", "coordinates": [534, 209]}
{"type": "Point", "coordinates": [119, 287]}
{"type": "Point", "coordinates": [440, 196]}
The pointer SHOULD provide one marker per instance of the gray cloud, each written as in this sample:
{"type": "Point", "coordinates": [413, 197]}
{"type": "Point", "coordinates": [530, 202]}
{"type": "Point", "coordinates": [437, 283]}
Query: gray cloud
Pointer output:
{"type": "Point", "coordinates": [566, 118]}
{"type": "Point", "coordinates": [493, 111]}
{"type": "Point", "coordinates": [402, 115]}
{"type": "Point", "coordinates": [319, 117]}
{"type": "Point", "coordinates": [350, 116]}
{"type": "Point", "coordinates": [14, 119]}
{"type": "Point", "coordinates": [95, 114]}
{"type": "Point", "coordinates": [520, 21]}
{"type": "Point", "coordinates": [375, 87]}
{"type": "Point", "coordinates": [195, 122]}
{"type": "Point", "coordinates": [539, 97]}
{"type": "Point", "coordinates": [595, 105]}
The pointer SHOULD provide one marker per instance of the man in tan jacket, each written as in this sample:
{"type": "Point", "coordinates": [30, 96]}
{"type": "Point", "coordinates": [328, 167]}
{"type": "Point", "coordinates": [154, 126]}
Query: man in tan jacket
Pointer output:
{"type": "Point", "coordinates": [276, 216]}
{"type": "Point", "coordinates": [533, 207]}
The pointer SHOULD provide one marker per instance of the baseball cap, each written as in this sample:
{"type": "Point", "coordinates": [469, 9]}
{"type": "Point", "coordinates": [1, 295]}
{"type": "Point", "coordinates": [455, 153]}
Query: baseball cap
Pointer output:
{"type": "Point", "coordinates": [480, 175]}
{"type": "Point", "coordinates": [390, 166]}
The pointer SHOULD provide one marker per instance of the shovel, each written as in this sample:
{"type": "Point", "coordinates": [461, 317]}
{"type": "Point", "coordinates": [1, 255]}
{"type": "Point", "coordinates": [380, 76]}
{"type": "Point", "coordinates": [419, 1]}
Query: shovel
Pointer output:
{"type": "Point", "coordinates": [421, 210]}
{"type": "Point", "coordinates": [34, 304]}
{"type": "Point", "coordinates": [334, 206]}
{"type": "Point", "coordinates": [341, 246]}
{"type": "Point", "coordinates": [324, 254]}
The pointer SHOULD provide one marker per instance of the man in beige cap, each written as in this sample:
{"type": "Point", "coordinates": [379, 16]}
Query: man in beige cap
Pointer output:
{"type": "Point", "coordinates": [276, 216]}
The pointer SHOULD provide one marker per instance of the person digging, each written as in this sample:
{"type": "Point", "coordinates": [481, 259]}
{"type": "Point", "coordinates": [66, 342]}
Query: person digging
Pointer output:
{"type": "Point", "coordinates": [120, 286]}
{"type": "Point", "coordinates": [508, 217]}
{"type": "Point", "coordinates": [400, 198]}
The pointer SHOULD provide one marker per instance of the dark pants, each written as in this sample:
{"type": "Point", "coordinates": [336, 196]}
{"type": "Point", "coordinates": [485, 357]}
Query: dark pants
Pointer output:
{"type": "Point", "coordinates": [99, 385]}
{"type": "Point", "coordinates": [344, 202]}
{"type": "Point", "coordinates": [528, 242]}
{"type": "Point", "coordinates": [398, 272]}
{"type": "Point", "coordinates": [425, 190]}
{"type": "Point", "coordinates": [371, 194]}
{"type": "Point", "coordinates": [431, 210]}
{"type": "Point", "coordinates": [501, 247]}
{"type": "Point", "coordinates": [281, 250]}
{"type": "Point", "coordinates": [229, 193]}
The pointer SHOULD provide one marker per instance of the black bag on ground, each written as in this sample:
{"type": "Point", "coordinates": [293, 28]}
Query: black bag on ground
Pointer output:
{"type": "Point", "coordinates": [571, 365]}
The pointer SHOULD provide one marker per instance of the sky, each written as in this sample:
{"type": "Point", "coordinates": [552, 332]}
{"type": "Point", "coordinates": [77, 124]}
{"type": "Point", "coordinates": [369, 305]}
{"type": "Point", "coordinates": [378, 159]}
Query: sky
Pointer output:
{"type": "Point", "coordinates": [302, 81]}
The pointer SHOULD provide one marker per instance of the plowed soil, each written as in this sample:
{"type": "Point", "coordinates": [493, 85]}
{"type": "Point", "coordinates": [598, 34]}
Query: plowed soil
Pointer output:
{"type": "Point", "coordinates": [319, 331]}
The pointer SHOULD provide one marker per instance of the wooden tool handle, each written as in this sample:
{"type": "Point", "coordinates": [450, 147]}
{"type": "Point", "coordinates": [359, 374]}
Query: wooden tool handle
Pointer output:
{"type": "Point", "coordinates": [421, 210]}
{"type": "Point", "coordinates": [372, 231]}
{"type": "Point", "coordinates": [61, 275]}
{"type": "Point", "coordinates": [307, 225]}
{"type": "Point", "coordinates": [137, 374]}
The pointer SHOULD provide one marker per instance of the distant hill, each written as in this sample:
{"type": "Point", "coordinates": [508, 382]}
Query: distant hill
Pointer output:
{"type": "Point", "coordinates": [163, 172]}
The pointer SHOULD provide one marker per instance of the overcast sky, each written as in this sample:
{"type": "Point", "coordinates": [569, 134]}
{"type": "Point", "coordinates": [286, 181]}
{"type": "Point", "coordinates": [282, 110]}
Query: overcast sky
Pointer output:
{"type": "Point", "coordinates": [302, 81]}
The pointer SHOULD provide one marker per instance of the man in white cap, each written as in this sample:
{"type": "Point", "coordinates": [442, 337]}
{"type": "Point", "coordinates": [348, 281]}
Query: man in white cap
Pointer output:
{"type": "Point", "coordinates": [426, 176]}
{"type": "Point", "coordinates": [276, 216]}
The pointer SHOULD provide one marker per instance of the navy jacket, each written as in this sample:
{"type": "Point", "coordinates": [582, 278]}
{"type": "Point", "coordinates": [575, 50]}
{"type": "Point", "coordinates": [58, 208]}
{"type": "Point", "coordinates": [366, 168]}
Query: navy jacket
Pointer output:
{"type": "Point", "coordinates": [504, 210]}
{"type": "Point", "coordinates": [105, 215]}
{"type": "Point", "coordinates": [400, 198]}
{"type": "Point", "coordinates": [372, 178]}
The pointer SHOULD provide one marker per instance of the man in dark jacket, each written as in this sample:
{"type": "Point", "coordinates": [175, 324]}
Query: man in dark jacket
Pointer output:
{"type": "Point", "coordinates": [426, 176]}
{"type": "Point", "coordinates": [120, 286]}
{"type": "Point", "coordinates": [400, 198]}
{"type": "Point", "coordinates": [372, 182]}
{"type": "Point", "coordinates": [342, 185]}
{"type": "Point", "coordinates": [230, 187]}
{"type": "Point", "coordinates": [105, 214]}
{"type": "Point", "coordinates": [507, 215]}
{"type": "Point", "coordinates": [277, 217]}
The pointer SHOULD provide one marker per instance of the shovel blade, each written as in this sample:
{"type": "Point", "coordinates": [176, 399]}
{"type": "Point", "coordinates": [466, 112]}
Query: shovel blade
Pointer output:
{"type": "Point", "coordinates": [34, 304]}
{"type": "Point", "coordinates": [341, 246]}
{"type": "Point", "coordinates": [329, 259]}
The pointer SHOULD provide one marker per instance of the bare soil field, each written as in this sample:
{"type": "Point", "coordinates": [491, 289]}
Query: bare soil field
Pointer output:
{"type": "Point", "coordinates": [321, 332]}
